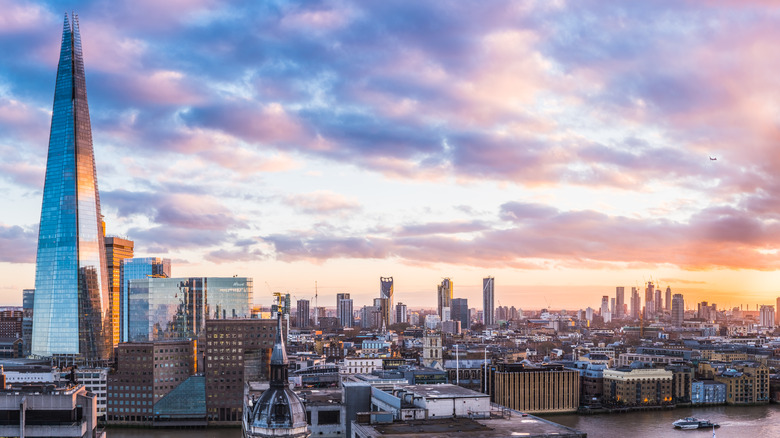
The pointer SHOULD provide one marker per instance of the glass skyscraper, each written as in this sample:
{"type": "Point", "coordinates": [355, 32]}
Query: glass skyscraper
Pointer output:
{"type": "Point", "coordinates": [175, 308]}
{"type": "Point", "coordinates": [71, 314]}
{"type": "Point", "coordinates": [137, 269]}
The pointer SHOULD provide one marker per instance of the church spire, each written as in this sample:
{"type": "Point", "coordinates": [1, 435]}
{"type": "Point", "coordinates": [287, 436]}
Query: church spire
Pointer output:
{"type": "Point", "coordinates": [279, 363]}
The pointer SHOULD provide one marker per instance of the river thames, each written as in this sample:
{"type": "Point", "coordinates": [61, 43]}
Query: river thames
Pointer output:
{"type": "Point", "coordinates": [735, 422]}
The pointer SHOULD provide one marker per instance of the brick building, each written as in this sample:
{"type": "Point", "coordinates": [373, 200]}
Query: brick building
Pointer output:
{"type": "Point", "coordinates": [11, 323]}
{"type": "Point", "coordinates": [146, 372]}
{"type": "Point", "coordinates": [638, 386]}
{"type": "Point", "coordinates": [235, 351]}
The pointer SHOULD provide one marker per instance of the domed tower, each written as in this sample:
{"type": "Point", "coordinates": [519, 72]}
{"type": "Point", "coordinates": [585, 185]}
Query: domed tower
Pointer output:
{"type": "Point", "coordinates": [278, 412]}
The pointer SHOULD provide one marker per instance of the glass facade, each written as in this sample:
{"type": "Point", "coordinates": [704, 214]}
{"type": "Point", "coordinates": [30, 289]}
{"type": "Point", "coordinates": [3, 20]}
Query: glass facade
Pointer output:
{"type": "Point", "coordinates": [137, 269]}
{"type": "Point", "coordinates": [175, 308]}
{"type": "Point", "coordinates": [71, 314]}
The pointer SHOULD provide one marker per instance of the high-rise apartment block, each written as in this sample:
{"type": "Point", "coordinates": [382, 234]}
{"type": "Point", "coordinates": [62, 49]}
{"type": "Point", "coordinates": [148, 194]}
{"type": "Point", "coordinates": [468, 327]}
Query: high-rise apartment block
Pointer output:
{"type": "Point", "coordinates": [620, 297]}
{"type": "Point", "coordinates": [668, 300]}
{"type": "Point", "coordinates": [460, 312]}
{"type": "Point", "coordinates": [386, 293]}
{"type": "Point", "coordinates": [344, 310]}
{"type": "Point", "coordinates": [302, 313]}
{"type": "Point", "coordinates": [444, 294]}
{"type": "Point", "coordinates": [649, 301]}
{"type": "Point", "coordinates": [636, 303]}
{"type": "Point", "coordinates": [488, 301]}
{"type": "Point", "coordinates": [767, 316]}
{"type": "Point", "coordinates": [71, 311]}
{"type": "Point", "coordinates": [606, 315]}
{"type": "Point", "coordinates": [175, 308]}
{"type": "Point", "coordinates": [117, 249]}
{"type": "Point", "coordinates": [401, 314]}
{"type": "Point", "coordinates": [137, 269]}
{"type": "Point", "coordinates": [659, 303]}
{"type": "Point", "coordinates": [678, 310]}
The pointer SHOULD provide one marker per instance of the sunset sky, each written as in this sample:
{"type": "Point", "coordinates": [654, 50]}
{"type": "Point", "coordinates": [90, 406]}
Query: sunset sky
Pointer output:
{"type": "Point", "coordinates": [561, 146]}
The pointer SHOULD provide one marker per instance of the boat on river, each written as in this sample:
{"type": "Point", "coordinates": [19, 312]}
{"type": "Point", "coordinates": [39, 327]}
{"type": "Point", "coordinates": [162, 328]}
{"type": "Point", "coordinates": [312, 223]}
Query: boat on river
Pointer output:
{"type": "Point", "coordinates": [688, 423]}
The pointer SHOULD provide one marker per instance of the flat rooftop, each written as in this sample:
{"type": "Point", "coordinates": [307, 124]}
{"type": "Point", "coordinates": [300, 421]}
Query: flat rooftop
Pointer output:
{"type": "Point", "coordinates": [514, 425]}
{"type": "Point", "coordinates": [444, 390]}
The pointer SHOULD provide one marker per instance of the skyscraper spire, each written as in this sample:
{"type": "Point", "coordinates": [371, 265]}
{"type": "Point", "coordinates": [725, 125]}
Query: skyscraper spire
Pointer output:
{"type": "Point", "coordinates": [71, 316]}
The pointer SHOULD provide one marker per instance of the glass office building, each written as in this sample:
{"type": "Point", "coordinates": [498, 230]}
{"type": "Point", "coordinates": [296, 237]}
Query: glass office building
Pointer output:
{"type": "Point", "coordinates": [71, 315]}
{"type": "Point", "coordinates": [137, 269]}
{"type": "Point", "coordinates": [175, 308]}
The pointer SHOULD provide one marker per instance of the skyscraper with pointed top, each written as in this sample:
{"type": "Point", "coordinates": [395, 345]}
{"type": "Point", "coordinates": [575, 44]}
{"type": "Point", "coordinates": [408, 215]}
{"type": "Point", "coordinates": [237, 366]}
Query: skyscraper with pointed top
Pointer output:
{"type": "Point", "coordinates": [71, 314]}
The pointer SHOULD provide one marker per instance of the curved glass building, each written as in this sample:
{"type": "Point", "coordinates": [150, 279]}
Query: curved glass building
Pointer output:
{"type": "Point", "coordinates": [71, 314]}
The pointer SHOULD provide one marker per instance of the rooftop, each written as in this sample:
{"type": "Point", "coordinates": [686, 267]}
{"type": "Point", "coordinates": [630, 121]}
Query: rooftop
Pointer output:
{"type": "Point", "coordinates": [513, 425]}
{"type": "Point", "coordinates": [441, 391]}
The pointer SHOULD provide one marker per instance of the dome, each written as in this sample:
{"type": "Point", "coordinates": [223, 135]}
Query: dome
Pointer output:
{"type": "Point", "coordinates": [278, 409]}
{"type": "Point", "coordinates": [278, 412]}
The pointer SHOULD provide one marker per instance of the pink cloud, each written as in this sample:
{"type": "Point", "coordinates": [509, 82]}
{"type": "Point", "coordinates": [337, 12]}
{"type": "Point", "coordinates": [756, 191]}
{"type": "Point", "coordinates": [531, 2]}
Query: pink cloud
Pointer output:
{"type": "Point", "coordinates": [322, 202]}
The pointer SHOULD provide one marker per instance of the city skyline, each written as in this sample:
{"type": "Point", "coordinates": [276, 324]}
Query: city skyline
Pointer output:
{"type": "Point", "coordinates": [334, 142]}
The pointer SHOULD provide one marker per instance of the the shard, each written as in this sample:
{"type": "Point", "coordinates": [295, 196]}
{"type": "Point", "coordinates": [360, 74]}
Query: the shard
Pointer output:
{"type": "Point", "coordinates": [71, 316]}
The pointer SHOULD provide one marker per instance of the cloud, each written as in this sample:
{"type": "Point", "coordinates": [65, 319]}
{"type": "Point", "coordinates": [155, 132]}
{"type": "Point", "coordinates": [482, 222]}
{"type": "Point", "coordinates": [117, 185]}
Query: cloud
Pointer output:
{"type": "Point", "coordinates": [542, 237]}
{"type": "Point", "coordinates": [18, 244]}
{"type": "Point", "coordinates": [322, 202]}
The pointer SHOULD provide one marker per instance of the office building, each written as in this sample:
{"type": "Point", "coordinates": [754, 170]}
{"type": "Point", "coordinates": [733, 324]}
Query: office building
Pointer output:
{"type": "Point", "coordinates": [236, 351]}
{"type": "Point", "coordinates": [649, 301]}
{"type": "Point", "coordinates": [386, 293]}
{"type": "Point", "coordinates": [28, 297]}
{"type": "Point", "coordinates": [636, 304]}
{"type": "Point", "coordinates": [659, 303]}
{"type": "Point", "coordinates": [176, 308]}
{"type": "Point", "coordinates": [605, 314]}
{"type": "Point", "coordinates": [137, 269]}
{"type": "Point", "coordinates": [71, 310]}
{"type": "Point", "coordinates": [767, 316]}
{"type": "Point", "coordinates": [67, 410]}
{"type": "Point", "coordinates": [370, 317]}
{"type": "Point", "coordinates": [678, 310]}
{"type": "Point", "coordinates": [460, 312]}
{"type": "Point", "coordinates": [527, 388]}
{"type": "Point", "coordinates": [401, 315]}
{"type": "Point", "coordinates": [146, 372]}
{"type": "Point", "coordinates": [444, 295]}
{"type": "Point", "coordinates": [620, 297]}
{"type": "Point", "coordinates": [344, 311]}
{"type": "Point", "coordinates": [117, 249]}
{"type": "Point", "coordinates": [668, 300]}
{"type": "Point", "coordinates": [488, 301]}
{"type": "Point", "coordinates": [302, 313]}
